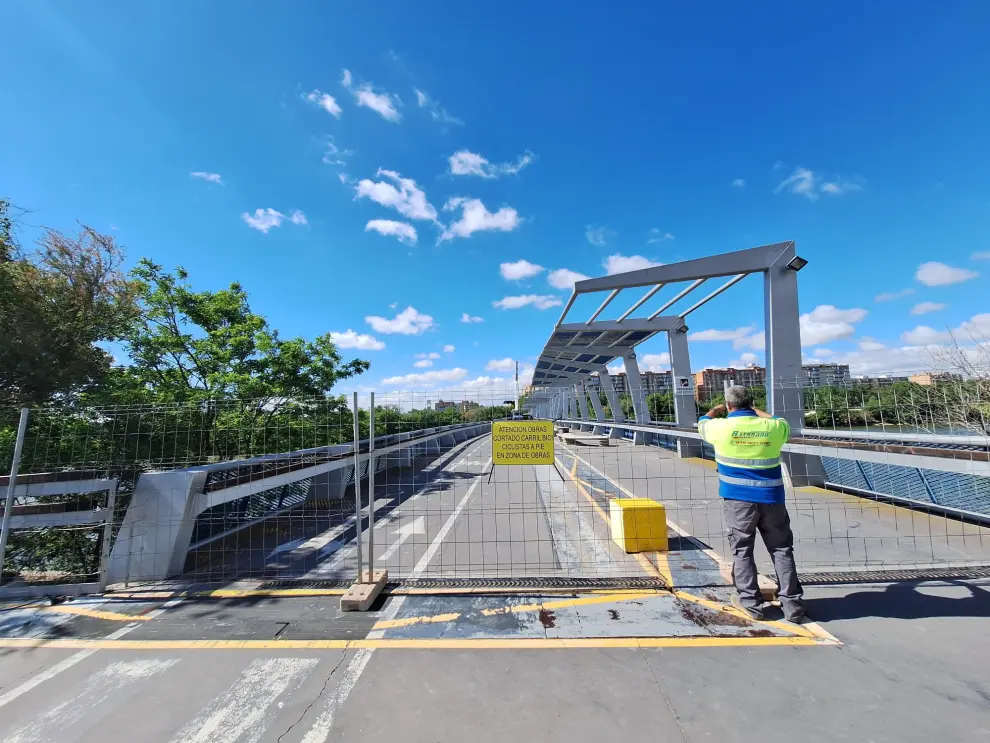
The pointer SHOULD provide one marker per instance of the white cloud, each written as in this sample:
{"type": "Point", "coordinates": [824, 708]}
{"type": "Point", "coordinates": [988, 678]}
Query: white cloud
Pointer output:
{"type": "Point", "coordinates": [427, 379]}
{"type": "Point", "coordinates": [981, 255]}
{"type": "Point", "coordinates": [343, 178]}
{"type": "Point", "coordinates": [432, 355]}
{"type": "Point", "coordinates": [739, 183]}
{"type": "Point", "coordinates": [744, 360]}
{"type": "Point", "coordinates": [476, 218]}
{"type": "Point", "coordinates": [408, 199]}
{"type": "Point", "coordinates": [924, 336]}
{"type": "Point", "coordinates": [654, 362]}
{"type": "Point", "coordinates": [823, 353]}
{"type": "Point", "coordinates": [407, 322]}
{"type": "Point", "coordinates": [837, 188]}
{"type": "Point", "coordinates": [868, 344]}
{"type": "Point", "coordinates": [501, 365]}
{"type": "Point", "coordinates": [934, 273]}
{"type": "Point", "coordinates": [925, 307]}
{"type": "Point", "coordinates": [564, 278]}
{"type": "Point", "coordinates": [465, 162]}
{"type": "Point", "coordinates": [465, 317]}
{"type": "Point", "coordinates": [210, 177]}
{"type": "Point", "coordinates": [622, 263]}
{"type": "Point", "coordinates": [598, 236]}
{"type": "Point", "coordinates": [656, 236]}
{"type": "Point", "coordinates": [403, 231]}
{"type": "Point", "coordinates": [449, 348]}
{"type": "Point", "coordinates": [976, 328]}
{"type": "Point", "coordinates": [756, 341]}
{"type": "Point", "coordinates": [721, 335]}
{"type": "Point", "coordinates": [521, 269]}
{"type": "Point", "coordinates": [437, 112]}
{"type": "Point", "coordinates": [423, 363]}
{"type": "Point", "coordinates": [351, 339]}
{"type": "Point", "coordinates": [801, 181]}
{"type": "Point", "coordinates": [384, 104]}
{"type": "Point", "coordinates": [264, 219]}
{"type": "Point", "coordinates": [890, 296]}
{"type": "Point", "coordinates": [325, 101]}
{"type": "Point", "coordinates": [807, 183]}
{"type": "Point", "coordinates": [540, 301]}
{"type": "Point", "coordinates": [829, 323]}
{"type": "Point", "coordinates": [334, 155]}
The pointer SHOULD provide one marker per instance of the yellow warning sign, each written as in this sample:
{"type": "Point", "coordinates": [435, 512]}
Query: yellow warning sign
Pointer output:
{"type": "Point", "coordinates": [522, 442]}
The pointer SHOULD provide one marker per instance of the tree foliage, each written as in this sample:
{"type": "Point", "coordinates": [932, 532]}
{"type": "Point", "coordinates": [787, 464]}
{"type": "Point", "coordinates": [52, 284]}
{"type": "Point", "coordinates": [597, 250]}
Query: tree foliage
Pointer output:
{"type": "Point", "coordinates": [57, 305]}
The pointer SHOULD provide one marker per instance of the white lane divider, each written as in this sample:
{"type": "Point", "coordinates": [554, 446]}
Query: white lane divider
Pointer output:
{"type": "Point", "coordinates": [320, 732]}
{"type": "Point", "coordinates": [72, 660]}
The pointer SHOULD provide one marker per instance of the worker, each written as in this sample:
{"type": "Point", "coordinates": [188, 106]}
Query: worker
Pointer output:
{"type": "Point", "coordinates": [747, 445]}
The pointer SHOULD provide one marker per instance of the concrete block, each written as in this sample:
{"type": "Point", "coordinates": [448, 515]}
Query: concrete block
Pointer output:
{"type": "Point", "coordinates": [361, 596]}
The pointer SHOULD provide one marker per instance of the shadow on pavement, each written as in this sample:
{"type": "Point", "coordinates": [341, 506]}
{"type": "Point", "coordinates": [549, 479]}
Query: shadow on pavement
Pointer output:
{"type": "Point", "coordinates": [903, 601]}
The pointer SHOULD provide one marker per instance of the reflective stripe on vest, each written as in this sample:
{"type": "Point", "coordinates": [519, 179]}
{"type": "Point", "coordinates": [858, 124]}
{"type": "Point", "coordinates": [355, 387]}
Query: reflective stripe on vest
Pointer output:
{"type": "Point", "coordinates": [750, 483]}
{"type": "Point", "coordinates": [741, 462]}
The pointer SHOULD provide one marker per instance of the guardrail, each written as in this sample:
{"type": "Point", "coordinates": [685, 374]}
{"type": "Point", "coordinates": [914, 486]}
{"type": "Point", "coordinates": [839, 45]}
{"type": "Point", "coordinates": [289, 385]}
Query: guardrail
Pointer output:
{"type": "Point", "coordinates": [911, 470]}
{"type": "Point", "coordinates": [160, 525]}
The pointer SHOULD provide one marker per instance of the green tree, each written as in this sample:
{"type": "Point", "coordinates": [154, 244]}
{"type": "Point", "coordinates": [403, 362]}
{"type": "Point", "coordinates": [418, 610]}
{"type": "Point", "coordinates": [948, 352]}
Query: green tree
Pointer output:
{"type": "Point", "coordinates": [190, 346]}
{"type": "Point", "coordinates": [57, 305]}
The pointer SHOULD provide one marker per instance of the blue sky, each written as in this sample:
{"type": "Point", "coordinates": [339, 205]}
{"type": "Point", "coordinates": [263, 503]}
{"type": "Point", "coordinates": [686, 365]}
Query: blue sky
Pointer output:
{"type": "Point", "coordinates": [226, 137]}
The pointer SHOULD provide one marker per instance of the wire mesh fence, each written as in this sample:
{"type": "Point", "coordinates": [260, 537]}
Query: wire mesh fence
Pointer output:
{"type": "Point", "coordinates": [277, 490]}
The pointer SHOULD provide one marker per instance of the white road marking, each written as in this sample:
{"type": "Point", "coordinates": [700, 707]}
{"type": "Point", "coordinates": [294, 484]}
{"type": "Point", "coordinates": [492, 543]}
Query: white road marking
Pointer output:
{"type": "Point", "coordinates": [240, 713]}
{"type": "Point", "coordinates": [416, 526]}
{"type": "Point", "coordinates": [320, 731]}
{"type": "Point", "coordinates": [72, 660]}
{"type": "Point", "coordinates": [97, 689]}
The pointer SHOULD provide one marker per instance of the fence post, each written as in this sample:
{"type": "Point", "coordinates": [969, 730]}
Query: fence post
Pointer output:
{"type": "Point", "coordinates": [11, 486]}
{"type": "Point", "coordinates": [357, 489]}
{"type": "Point", "coordinates": [371, 489]}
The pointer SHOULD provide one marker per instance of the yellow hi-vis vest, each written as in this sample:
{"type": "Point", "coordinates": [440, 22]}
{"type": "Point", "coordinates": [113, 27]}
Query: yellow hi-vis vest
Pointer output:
{"type": "Point", "coordinates": [747, 453]}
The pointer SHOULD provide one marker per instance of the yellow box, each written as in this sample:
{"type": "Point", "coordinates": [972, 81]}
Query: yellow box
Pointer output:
{"type": "Point", "coordinates": [638, 524]}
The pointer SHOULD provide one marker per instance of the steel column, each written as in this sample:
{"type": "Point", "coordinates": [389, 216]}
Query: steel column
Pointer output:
{"type": "Point", "coordinates": [635, 384]}
{"type": "Point", "coordinates": [685, 408]}
{"type": "Point", "coordinates": [357, 490]}
{"type": "Point", "coordinates": [582, 399]}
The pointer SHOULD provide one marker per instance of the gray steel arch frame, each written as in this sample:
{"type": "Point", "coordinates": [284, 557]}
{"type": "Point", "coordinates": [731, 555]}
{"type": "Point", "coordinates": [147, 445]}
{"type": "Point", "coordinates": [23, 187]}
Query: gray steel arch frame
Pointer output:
{"type": "Point", "coordinates": [576, 350]}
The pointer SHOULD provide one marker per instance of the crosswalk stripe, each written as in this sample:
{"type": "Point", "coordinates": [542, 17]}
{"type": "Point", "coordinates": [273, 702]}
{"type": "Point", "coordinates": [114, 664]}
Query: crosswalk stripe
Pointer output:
{"type": "Point", "coordinates": [96, 690]}
{"type": "Point", "coordinates": [240, 713]}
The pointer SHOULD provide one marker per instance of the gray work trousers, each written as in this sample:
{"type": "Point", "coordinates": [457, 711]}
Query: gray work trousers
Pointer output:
{"type": "Point", "coordinates": [742, 521]}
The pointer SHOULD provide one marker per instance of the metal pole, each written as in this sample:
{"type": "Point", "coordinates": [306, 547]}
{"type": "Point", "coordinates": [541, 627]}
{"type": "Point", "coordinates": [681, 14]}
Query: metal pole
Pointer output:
{"type": "Point", "coordinates": [357, 490]}
{"type": "Point", "coordinates": [8, 506]}
{"type": "Point", "coordinates": [371, 489]}
{"type": "Point", "coordinates": [517, 385]}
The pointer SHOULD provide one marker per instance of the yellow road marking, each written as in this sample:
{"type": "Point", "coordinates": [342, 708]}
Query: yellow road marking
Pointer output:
{"type": "Point", "coordinates": [651, 570]}
{"type": "Point", "coordinates": [520, 643]}
{"type": "Point", "coordinates": [604, 598]}
{"type": "Point", "coordinates": [96, 613]}
{"type": "Point", "coordinates": [808, 628]}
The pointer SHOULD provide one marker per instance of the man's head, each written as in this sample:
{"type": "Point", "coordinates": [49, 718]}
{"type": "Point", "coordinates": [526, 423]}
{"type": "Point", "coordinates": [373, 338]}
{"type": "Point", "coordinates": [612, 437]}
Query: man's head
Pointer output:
{"type": "Point", "coordinates": [738, 397]}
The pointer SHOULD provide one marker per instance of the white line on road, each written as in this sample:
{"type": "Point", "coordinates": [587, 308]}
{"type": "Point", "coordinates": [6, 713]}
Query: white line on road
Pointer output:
{"type": "Point", "coordinates": [416, 526]}
{"type": "Point", "coordinates": [240, 713]}
{"type": "Point", "coordinates": [65, 718]}
{"type": "Point", "coordinates": [320, 731]}
{"type": "Point", "coordinates": [66, 664]}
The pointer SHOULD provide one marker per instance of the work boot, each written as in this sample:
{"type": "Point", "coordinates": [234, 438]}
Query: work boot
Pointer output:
{"type": "Point", "coordinates": [753, 612]}
{"type": "Point", "coordinates": [796, 616]}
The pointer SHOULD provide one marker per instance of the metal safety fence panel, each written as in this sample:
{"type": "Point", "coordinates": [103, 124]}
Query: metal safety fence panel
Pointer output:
{"type": "Point", "coordinates": [877, 476]}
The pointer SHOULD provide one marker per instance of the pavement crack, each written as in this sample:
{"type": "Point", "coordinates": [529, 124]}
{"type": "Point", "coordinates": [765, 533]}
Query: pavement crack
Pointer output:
{"type": "Point", "coordinates": [317, 698]}
{"type": "Point", "coordinates": [670, 707]}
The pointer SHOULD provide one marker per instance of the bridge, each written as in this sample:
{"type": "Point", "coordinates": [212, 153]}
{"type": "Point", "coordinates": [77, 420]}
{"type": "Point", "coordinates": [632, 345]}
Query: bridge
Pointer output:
{"type": "Point", "coordinates": [205, 601]}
